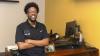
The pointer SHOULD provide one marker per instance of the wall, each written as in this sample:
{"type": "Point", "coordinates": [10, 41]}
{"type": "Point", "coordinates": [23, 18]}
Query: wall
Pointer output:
{"type": "Point", "coordinates": [87, 14]}
{"type": "Point", "coordinates": [11, 14]}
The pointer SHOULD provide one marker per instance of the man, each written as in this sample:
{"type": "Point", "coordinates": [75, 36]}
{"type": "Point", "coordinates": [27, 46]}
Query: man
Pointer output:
{"type": "Point", "coordinates": [31, 36]}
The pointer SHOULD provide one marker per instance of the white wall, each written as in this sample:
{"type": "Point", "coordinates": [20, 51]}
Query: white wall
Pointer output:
{"type": "Point", "coordinates": [11, 14]}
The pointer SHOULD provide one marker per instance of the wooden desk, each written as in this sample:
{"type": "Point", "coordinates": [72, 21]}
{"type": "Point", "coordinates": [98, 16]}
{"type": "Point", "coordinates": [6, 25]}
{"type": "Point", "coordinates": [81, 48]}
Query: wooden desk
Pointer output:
{"type": "Point", "coordinates": [75, 52]}
{"type": "Point", "coordinates": [71, 52]}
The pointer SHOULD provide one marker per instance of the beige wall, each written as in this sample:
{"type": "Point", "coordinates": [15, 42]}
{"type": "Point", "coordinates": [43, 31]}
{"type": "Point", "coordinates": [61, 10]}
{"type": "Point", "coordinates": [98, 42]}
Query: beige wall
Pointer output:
{"type": "Point", "coordinates": [87, 14]}
{"type": "Point", "coordinates": [11, 14]}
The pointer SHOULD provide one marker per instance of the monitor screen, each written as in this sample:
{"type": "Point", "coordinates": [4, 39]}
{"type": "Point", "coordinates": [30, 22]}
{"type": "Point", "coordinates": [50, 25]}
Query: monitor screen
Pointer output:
{"type": "Point", "coordinates": [70, 28]}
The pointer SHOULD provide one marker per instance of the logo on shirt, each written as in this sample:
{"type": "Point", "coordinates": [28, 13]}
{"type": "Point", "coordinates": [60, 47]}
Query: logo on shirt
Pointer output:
{"type": "Point", "coordinates": [41, 30]}
{"type": "Point", "coordinates": [27, 33]}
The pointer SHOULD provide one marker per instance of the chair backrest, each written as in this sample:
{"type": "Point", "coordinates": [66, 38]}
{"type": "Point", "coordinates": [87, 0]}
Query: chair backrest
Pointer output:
{"type": "Point", "coordinates": [11, 50]}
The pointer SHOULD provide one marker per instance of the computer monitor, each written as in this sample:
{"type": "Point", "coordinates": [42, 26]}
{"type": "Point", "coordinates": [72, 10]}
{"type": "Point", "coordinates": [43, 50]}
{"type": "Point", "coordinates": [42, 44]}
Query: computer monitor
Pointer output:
{"type": "Point", "coordinates": [70, 28]}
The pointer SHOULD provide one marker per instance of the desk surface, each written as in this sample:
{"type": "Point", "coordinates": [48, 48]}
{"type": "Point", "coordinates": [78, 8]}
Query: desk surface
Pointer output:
{"type": "Point", "coordinates": [74, 52]}
{"type": "Point", "coordinates": [91, 51]}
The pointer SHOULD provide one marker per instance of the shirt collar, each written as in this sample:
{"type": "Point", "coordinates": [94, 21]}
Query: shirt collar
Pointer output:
{"type": "Point", "coordinates": [31, 24]}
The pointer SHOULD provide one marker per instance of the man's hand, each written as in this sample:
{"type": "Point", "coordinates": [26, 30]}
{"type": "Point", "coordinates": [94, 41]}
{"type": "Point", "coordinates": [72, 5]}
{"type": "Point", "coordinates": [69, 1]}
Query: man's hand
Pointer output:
{"type": "Point", "coordinates": [24, 45]}
{"type": "Point", "coordinates": [42, 42]}
{"type": "Point", "coordinates": [29, 41]}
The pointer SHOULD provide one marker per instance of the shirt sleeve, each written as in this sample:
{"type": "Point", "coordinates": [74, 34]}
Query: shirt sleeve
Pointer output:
{"type": "Point", "coordinates": [45, 33]}
{"type": "Point", "coordinates": [19, 37]}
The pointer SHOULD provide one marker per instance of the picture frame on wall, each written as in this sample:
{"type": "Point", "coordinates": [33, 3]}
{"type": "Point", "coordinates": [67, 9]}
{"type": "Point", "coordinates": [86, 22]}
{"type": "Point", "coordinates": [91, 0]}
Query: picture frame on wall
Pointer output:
{"type": "Point", "coordinates": [9, 1]}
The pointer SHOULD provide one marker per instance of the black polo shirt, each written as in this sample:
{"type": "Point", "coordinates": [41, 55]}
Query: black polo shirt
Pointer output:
{"type": "Point", "coordinates": [26, 31]}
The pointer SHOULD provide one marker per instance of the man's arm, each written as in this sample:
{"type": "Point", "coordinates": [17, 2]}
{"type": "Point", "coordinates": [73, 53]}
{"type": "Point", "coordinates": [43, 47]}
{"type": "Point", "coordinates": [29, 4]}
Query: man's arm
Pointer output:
{"type": "Point", "coordinates": [24, 45]}
{"type": "Point", "coordinates": [42, 42]}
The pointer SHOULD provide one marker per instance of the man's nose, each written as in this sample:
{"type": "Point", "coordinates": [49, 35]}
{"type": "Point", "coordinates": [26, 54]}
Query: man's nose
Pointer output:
{"type": "Point", "coordinates": [33, 14]}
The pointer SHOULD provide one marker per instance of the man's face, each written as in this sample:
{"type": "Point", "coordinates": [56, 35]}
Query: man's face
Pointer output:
{"type": "Point", "coordinates": [32, 14]}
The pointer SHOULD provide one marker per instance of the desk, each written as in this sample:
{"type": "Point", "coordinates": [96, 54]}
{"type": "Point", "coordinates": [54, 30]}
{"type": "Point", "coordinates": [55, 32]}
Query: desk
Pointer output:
{"type": "Point", "coordinates": [72, 52]}
{"type": "Point", "coordinates": [75, 52]}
